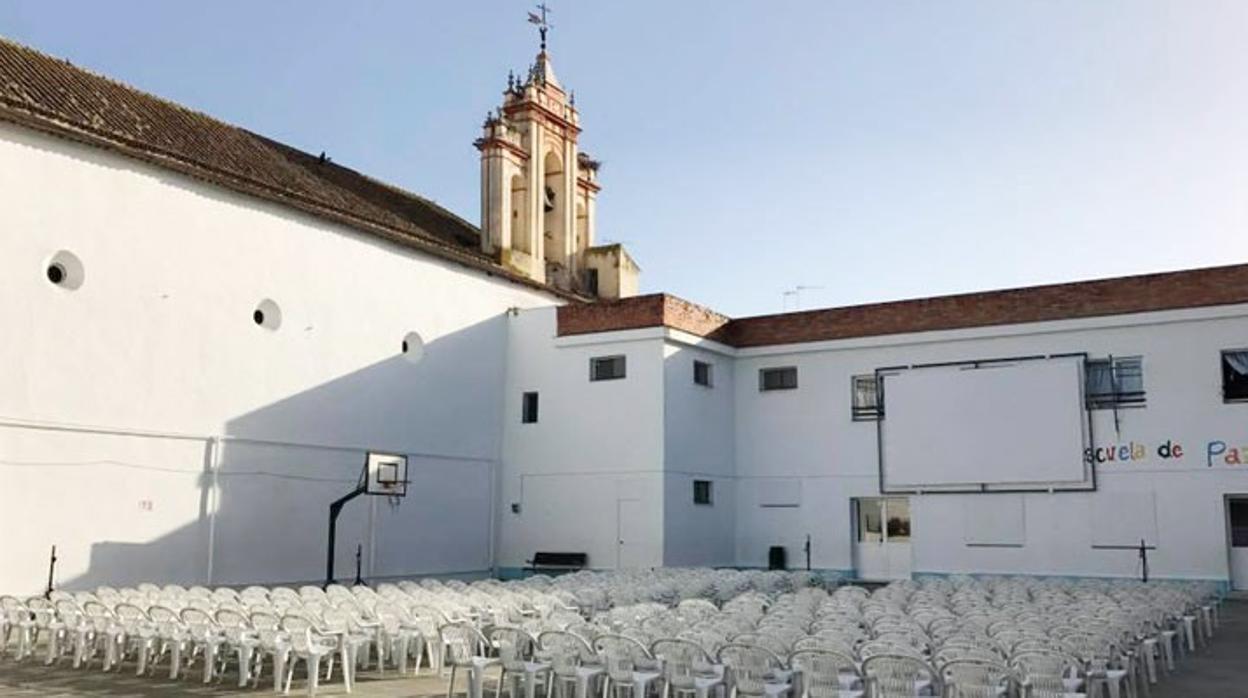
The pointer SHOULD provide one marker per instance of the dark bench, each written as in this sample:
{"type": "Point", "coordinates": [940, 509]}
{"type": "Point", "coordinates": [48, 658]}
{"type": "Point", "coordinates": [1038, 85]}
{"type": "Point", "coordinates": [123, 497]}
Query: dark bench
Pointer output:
{"type": "Point", "coordinates": [558, 562]}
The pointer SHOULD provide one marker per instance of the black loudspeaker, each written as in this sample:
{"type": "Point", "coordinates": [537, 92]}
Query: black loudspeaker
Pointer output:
{"type": "Point", "coordinates": [777, 558]}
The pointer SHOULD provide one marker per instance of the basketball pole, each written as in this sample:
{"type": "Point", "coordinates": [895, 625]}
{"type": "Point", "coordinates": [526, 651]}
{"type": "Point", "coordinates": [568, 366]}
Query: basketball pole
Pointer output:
{"type": "Point", "coordinates": [334, 510]}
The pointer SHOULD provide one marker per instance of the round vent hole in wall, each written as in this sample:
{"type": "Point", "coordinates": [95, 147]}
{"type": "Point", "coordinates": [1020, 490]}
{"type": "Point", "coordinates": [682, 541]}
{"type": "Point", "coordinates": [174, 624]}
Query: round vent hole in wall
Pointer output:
{"type": "Point", "coordinates": [64, 269]}
{"type": "Point", "coordinates": [267, 315]}
{"type": "Point", "coordinates": [413, 347]}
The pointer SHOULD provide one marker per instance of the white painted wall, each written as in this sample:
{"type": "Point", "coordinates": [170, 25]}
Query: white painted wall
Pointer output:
{"type": "Point", "coordinates": [807, 434]}
{"type": "Point", "coordinates": [151, 431]}
{"type": "Point", "coordinates": [595, 443]}
{"type": "Point", "coordinates": [159, 341]}
{"type": "Point", "coordinates": [698, 445]}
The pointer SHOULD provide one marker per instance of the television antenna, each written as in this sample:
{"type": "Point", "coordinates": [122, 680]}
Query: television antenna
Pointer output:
{"type": "Point", "coordinates": [795, 293]}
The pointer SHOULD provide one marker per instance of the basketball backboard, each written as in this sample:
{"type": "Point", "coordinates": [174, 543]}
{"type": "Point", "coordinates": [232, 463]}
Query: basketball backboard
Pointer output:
{"type": "Point", "coordinates": [387, 475]}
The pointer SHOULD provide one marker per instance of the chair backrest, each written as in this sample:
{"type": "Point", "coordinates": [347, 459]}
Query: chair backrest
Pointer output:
{"type": "Point", "coordinates": [891, 675]}
{"type": "Point", "coordinates": [1044, 670]}
{"type": "Point", "coordinates": [971, 677]}
{"type": "Point", "coordinates": [750, 666]}
{"type": "Point", "coordinates": [670, 648]}
{"type": "Point", "coordinates": [566, 651]}
{"type": "Point", "coordinates": [131, 614]}
{"type": "Point", "coordinates": [300, 630]}
{"type": "Point", "coordinates": [622, 655]}
{"type": "Point", "coordinates": [231, 618]}
{"type": "Point", "coordinates": [463, 641]}
{"type": "Point", "coordinates": [198, 620]}
{"type": "Point", "coordinates": [264, 620]}
{"type": "Point", "coordinates": [163, 614]}
{"type": "Point", "coordinates": [515, 646]}
{"type": "Point", "coordinates": [822, 671]}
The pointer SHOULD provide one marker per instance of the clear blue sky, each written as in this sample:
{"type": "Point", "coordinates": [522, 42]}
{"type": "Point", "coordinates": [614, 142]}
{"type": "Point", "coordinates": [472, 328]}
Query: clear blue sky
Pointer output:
{"type": "Point", "coordinates": [877, 150]}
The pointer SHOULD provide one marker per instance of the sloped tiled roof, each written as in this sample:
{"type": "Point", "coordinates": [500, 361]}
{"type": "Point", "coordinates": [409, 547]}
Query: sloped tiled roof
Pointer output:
{"type": "Point", "coordinates": [1193, 288]}
{"type": "Point", "coordinates": [54, 96]}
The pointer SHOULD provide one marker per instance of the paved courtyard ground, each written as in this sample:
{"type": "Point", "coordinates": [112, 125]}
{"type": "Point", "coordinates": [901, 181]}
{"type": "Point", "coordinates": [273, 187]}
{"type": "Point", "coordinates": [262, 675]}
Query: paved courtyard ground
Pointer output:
{"type": "Point", "coordinates": [1219, 670]}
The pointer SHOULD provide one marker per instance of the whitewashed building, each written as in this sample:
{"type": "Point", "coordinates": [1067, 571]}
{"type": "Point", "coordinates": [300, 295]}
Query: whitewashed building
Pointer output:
{"type": "Point", "coordinates": [1044, 431]}
{"type": "Point", "coordinates": [204, 331]}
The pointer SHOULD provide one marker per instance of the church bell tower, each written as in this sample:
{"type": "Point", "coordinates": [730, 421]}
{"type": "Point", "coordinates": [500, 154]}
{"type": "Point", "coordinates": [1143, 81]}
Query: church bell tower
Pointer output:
{"type": "Point", "coordinates": [538, 189]}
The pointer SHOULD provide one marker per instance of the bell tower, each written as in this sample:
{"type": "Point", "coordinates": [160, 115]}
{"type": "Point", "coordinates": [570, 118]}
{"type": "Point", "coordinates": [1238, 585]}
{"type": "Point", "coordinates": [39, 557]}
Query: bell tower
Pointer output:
{"type": "Point", "coordinates": [538, 189]}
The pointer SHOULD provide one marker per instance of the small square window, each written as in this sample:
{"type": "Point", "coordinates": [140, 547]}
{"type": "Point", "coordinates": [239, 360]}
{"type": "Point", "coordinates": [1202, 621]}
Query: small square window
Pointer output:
{"type": "Point", "coordinates": [606, 368]}
{"type": "Point", "coordinates": [777, 378]}
{"type": "Point", "coordinates": [702, 373]}
{"type": "Point", "coordinates": [1235, 375]}
{"type": "Point", "coordinates": [528, 409]}
{"type": "Point", "coordinates": [1115, 382]}
{"type": "Point", "coordinates": [702, 492]}
{"type": "Point", "coordinates": [866, 397]}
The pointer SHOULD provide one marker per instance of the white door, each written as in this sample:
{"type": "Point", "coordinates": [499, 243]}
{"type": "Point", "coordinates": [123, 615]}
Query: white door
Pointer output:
{"type": "Point", "coordinates": [1237, 522]}
{"type": "Point", "coordinates": [630, 548]}
{"type": "Point", "coordinates": [882, 538]}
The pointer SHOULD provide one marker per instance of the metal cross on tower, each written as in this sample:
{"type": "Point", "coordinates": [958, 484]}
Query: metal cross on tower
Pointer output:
{"type": "Point", "coordinates": [540, 21]}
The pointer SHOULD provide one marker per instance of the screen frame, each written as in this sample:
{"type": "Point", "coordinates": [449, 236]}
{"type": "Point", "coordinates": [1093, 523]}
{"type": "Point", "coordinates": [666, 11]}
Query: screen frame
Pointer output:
{"type": "Point", "coordinates": [1088, 485]}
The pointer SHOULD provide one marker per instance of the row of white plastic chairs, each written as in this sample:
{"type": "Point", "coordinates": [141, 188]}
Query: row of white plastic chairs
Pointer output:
{"type": "Point", "coordinates": [216, 628]}
{"type": "Point", "coordinates": [1100, 634]}
{"type": "Point", "coordinates": [407, 620]}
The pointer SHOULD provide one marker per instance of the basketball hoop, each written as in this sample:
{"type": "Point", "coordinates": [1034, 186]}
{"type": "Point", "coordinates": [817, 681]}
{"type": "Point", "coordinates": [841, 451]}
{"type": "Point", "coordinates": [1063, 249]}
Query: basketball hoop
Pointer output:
{"type": "Point", "coordinates": [385, 475]}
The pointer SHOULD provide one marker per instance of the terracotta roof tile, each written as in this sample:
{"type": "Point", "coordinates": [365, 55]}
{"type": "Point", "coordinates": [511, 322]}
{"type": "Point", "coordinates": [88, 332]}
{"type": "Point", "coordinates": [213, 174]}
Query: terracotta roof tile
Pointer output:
{"type": "Point", "coordinates": [1194, 288]}
{"type": "Point", "coordinates": [56, 97]}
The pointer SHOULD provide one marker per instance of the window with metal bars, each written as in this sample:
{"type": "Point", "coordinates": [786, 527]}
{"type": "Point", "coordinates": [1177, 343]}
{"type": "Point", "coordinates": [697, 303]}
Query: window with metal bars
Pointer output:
{"type": "Point", "coordinates": [865, 397]}
{"type": "Point", "coordinates": [784, 378]}
{"type": "Point", "coordinates": [606, 368]}
{"type": "Point", "coordinates": [1114, 382]}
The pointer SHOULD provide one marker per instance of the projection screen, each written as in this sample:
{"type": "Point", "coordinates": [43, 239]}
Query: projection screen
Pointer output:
{"type": "Point", "coordinates": [985, 426]}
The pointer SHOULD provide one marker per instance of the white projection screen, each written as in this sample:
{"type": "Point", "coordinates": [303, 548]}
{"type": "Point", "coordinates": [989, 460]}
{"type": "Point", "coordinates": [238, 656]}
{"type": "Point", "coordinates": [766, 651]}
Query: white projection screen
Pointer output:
{"type": "Point", "coordinates": [985, 426]}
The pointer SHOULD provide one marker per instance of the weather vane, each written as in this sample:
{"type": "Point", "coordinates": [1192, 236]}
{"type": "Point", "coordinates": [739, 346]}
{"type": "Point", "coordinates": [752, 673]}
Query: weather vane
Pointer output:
{"type": "Point", "coordinates": [540, 21]}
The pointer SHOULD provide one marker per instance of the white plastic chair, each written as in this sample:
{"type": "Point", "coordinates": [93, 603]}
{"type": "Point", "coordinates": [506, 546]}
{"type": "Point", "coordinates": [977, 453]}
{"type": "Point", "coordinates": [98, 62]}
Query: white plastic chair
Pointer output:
{"type": "Point", "coordinates": [307, 645]}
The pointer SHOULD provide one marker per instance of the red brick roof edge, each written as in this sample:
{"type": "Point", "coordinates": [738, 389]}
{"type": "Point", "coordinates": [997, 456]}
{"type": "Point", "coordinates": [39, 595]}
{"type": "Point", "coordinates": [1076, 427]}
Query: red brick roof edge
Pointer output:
{"type": "Point", "coordinates": [1194, 288]}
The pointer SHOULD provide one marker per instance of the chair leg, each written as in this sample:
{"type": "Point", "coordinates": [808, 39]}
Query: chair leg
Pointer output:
{"type": "Point", "coordinates": [402, 650]}
{"type": "Point", "coordinates": [313, 662]}
{"type": "Point", "coordinates": [280, 659]}
{"type": "Point", "coordinates": [244, 664]}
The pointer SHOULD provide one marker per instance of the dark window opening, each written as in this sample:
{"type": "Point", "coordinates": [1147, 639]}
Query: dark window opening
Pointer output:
{"type": "Point", "coordinates": [702, 492]}
{"type": "Point", "coordinates": [777, 378]}
{"type": "Point", "coordinates": [591, 281]}
{"type": "Point", "coordinates": [56, 273]}
{"type": "Point", "coordinates": [605, 368]}
{"type": "Point", "coordinates": [1235, 376]}
{"type": "Point", "coordinates": [702, 373]}
{"type": "Point", "coordinates": [528, 411]}
{"type": "Point", "coordinates": [1239, 523]}
{"type": "Point", "coordinates": [1115, 382]}
{"type": "Point", "coordinates": [866, 405]}
{"type": "Point", "coordinates": [258, 317]}
{"type": "Point", "coordinates": [405, 346]}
